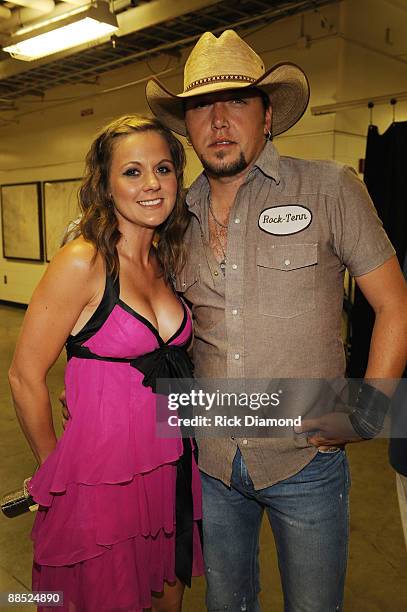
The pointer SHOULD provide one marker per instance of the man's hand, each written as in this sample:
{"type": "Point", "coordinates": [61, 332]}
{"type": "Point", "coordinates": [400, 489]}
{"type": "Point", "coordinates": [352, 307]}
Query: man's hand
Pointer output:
{"type": "Point", "coordinates": [332, 429]}
{"type": "Point", "coordinates": [64, 411]}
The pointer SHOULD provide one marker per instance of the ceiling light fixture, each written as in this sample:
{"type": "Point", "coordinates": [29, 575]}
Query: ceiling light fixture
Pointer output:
{"type": "Point", "coordinates": [63, 32]}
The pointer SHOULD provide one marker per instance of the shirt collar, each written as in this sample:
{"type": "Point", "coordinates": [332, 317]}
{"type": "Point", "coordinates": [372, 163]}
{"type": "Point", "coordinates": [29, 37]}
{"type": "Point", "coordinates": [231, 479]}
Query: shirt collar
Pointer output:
{"type": "Point", "coordinates": [268, 163]}
{"type": "Point", "coordinates": [197, 193]}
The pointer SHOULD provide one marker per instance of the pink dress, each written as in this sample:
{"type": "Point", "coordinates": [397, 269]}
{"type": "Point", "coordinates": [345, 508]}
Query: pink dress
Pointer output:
{"type": "Point", "coordinates": [105, 533]}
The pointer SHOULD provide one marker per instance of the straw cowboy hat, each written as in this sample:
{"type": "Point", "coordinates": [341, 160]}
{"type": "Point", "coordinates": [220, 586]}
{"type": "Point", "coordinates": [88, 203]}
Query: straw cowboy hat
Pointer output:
{"type": "Point", "coordinates": [227, 62]}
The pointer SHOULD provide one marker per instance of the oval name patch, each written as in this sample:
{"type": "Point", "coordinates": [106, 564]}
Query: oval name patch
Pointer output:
{"type": "Point", "coordinates": [285, 220]}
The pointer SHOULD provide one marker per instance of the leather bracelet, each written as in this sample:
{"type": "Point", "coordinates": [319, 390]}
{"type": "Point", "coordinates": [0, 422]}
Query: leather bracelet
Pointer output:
{"type": "Point", "coordinates": [371, 408]}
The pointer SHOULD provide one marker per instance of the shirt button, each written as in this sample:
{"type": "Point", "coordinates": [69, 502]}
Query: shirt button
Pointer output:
{"type": "Point", "coordinates": [287, 262]}
{"type": "Point", "coordinates": [237, 355]}
{"type": "Point", "coordinates": [237, 220]}
{"type": "Point", "coordinates": [234, 311]}
{"type": "Point", "coordinates": [232, 437]}
{"type": "Point", "coordinates": [234, 266]}
{"type": "Point", "coordinates": [244, 442]}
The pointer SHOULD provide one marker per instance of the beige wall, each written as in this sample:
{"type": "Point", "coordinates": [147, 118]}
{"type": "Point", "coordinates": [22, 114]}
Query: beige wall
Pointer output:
{"type": "Point", "coordinates": [346, 59]}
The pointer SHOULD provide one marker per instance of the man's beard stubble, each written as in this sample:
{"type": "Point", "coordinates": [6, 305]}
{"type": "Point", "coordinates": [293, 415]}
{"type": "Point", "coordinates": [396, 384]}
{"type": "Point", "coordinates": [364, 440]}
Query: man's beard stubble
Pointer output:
{"type": "Point", "coordinates": [221, 170]}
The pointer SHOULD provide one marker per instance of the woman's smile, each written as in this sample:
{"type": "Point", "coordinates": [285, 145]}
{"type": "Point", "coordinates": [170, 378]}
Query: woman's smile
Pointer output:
{"type": "Point", "coordinates": [149, 203]}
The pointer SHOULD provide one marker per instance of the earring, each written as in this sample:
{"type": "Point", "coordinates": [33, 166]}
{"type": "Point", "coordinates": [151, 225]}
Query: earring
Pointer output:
{"type": "Point", "coordinates": [189, 143]}
{"type": "Point", "coordinates": [269, 135]}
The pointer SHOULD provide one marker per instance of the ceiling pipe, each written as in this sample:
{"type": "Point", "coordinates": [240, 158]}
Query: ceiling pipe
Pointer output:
{"type": "Point", "coordinates": [43, 6]}
{"type": "Point", "coordinates": [157, 12]}
{"type": "Point", "coordinates": [5, 13]}
{"type": "Point", "coordinates": [29, 16]}
{"type": "Point", "coordinates": [19, 17]}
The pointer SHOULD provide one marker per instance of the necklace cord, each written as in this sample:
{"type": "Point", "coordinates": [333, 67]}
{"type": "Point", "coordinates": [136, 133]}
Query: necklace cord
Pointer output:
{"type": "Point", "coordinates": [222, 264]}
{"type": "Point", "coordinates": [214, 218]}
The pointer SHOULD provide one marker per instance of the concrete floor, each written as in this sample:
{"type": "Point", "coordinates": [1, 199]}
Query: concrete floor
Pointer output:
{"type": "Point", "coordinates": [376, 579]}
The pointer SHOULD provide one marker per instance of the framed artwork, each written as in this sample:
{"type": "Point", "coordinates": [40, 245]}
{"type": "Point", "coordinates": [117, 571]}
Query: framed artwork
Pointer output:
{"type": "Point", "coordinates": [60, 209]}
{"type": "Point", "coordinates": [22, 221]}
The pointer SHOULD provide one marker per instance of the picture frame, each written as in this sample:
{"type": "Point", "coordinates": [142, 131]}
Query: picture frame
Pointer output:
{"type": "Point", "coordinates": [60, 210]}
{"type": "Point", "coordinates": [22, 232]}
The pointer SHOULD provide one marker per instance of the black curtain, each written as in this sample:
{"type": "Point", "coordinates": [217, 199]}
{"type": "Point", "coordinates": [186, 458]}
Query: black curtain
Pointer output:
{"type": "Point", "coordinates": [386, 179]}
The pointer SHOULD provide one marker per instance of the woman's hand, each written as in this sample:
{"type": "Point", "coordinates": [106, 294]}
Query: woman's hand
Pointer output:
{"type": "Point", "coordinates": [64, 410]}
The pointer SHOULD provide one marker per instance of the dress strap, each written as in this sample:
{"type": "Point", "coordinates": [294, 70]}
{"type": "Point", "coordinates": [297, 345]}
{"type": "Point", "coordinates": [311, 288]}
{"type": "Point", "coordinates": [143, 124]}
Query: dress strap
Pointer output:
{"type": "Point", "coordinates": [109, 300]}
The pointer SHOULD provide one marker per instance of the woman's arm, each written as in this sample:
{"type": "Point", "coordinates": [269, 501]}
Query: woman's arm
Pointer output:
{"type": "Point", "coordinates": [71, 284]}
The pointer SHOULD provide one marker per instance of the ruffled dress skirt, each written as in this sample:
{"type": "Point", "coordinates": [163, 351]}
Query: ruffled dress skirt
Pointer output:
{"type": "Point", "coordinates": [107, 547]}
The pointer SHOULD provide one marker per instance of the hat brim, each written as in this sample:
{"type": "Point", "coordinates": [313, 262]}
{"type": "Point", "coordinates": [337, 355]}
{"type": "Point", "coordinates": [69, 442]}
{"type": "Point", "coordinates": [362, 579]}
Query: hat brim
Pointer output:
{"type": "Point", "coordinates": [286, 85]}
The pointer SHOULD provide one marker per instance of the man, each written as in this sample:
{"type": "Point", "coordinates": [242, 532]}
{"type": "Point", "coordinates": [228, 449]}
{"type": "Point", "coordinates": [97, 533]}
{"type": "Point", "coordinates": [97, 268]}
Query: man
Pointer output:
{"type": "Point", "coordinates": [268, 244]}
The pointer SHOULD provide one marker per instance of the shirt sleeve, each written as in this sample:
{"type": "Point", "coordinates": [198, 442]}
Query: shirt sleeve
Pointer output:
{"type": "Point", "coordinates": [359, 239]}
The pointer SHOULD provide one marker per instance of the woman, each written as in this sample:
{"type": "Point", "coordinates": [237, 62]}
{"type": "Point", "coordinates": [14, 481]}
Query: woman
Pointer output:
{"type": "Point", "coordinates": [105, 533]}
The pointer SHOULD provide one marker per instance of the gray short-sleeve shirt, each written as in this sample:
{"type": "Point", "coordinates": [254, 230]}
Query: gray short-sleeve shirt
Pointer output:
{"type": "Point", "coordinates": [295, 227]}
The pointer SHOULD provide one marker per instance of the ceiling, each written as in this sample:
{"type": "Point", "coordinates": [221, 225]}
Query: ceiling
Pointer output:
{"type": "Point", "coordinates": [140, 37]}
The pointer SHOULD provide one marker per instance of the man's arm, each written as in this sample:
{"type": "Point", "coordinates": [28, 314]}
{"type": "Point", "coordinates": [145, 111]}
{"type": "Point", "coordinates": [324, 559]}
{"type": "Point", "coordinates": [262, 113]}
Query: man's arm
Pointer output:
{"type": "Point", "coordinates": [386, 291]}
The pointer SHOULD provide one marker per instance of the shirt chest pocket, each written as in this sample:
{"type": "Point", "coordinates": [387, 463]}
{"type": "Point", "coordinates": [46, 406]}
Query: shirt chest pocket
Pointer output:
{"type": "Point", "coordinates": [286, 279]}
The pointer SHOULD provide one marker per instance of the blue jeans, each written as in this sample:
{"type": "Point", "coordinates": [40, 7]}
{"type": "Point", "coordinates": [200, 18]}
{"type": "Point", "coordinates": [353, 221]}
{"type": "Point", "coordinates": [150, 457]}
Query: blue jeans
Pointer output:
{"type": "Point", "coordinates": [308, 514]}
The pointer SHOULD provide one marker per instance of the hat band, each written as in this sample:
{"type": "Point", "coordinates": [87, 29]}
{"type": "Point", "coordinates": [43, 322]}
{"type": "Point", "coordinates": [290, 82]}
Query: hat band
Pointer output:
{"type": "Point", "coordinates": [220, 77]}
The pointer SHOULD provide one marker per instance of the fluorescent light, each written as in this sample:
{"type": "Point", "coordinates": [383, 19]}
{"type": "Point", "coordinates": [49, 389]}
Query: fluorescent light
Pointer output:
{"type": "Point", "coordinates": [69, 31]}
{"type": "Point", "coordinates": [64, 37]}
